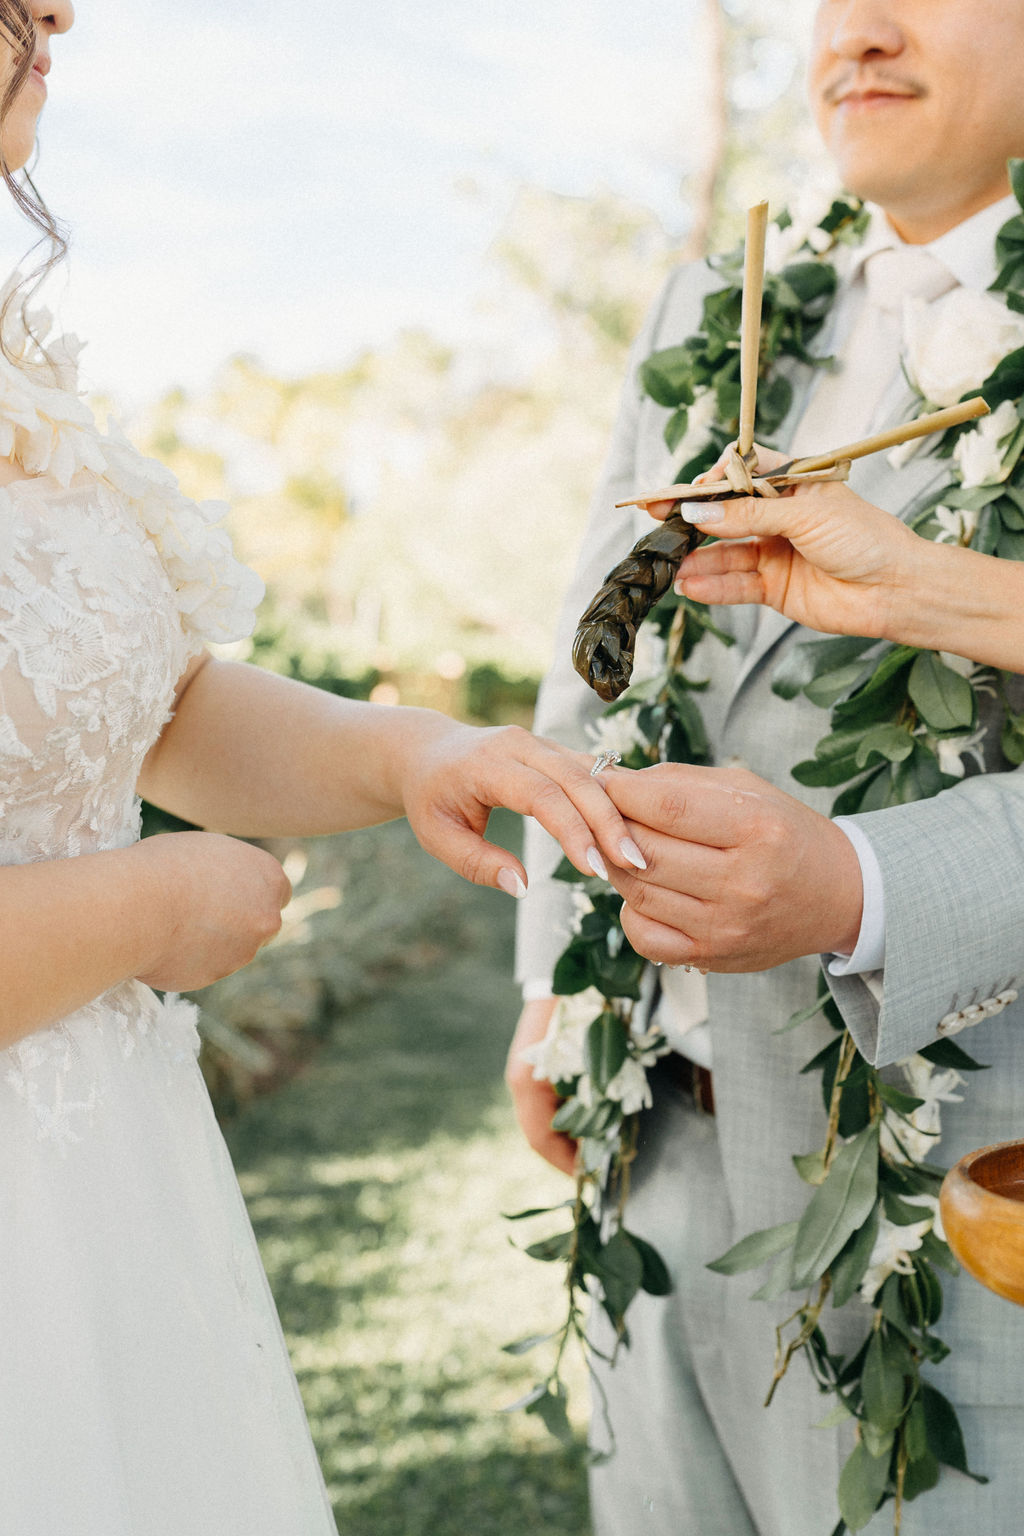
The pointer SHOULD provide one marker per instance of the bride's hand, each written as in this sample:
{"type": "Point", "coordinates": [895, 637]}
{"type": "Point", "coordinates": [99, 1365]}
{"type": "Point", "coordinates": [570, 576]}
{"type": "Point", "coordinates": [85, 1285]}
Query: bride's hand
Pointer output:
{"type": "Point", "coordinates": [451, 777]}
{"type": "Point", "coordinates": [821, 555]}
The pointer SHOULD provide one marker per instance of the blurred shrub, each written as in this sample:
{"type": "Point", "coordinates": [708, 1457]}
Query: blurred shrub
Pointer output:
{"type": "Point", "coordinates": [496, 697]}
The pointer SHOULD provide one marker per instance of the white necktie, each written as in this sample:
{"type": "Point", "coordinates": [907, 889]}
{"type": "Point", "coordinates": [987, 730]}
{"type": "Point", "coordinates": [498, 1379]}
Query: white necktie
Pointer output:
{"type": "Point", "coordinates": [849, 399]}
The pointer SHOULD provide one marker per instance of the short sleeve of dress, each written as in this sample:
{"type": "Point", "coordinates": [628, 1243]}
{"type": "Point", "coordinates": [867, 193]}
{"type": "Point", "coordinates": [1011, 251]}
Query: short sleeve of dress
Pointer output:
{"type": "Point", "coordinates": [48, 428]}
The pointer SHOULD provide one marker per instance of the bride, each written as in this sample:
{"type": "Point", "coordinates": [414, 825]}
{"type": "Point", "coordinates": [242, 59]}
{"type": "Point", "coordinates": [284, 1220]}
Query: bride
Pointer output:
{"type": "Point", "coordinates": [145, 1388]}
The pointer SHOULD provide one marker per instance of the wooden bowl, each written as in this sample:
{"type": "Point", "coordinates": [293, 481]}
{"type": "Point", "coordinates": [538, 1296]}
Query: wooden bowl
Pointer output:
{"type": "Point", "coordinates": [982, 1205]}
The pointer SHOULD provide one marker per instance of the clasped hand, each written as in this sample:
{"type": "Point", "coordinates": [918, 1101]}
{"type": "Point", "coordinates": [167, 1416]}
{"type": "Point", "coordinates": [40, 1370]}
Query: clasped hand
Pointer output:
{"type": "Point", "coordinates": [739, 877]}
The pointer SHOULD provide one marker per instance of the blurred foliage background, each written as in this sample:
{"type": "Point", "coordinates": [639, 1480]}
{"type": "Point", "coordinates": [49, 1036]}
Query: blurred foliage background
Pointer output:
{"type": "Point", "coordinates": [415, 514]}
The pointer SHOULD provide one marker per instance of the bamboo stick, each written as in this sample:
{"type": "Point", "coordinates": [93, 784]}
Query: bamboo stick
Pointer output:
{"type": "Point", "coordinates": [923, 426]}
{"type": "Point", "coordinates": [750, 325]}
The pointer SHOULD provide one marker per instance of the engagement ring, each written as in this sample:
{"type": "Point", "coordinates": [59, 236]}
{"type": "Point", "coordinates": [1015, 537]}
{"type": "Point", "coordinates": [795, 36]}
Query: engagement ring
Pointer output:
{"type": "Point", "coordinates": [603, 761]}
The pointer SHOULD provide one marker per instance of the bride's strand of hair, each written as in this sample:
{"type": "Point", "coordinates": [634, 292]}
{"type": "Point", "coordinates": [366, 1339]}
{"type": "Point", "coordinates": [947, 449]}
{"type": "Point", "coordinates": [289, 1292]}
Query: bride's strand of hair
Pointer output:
{"type": "Point", "coordinates": [17, 25]}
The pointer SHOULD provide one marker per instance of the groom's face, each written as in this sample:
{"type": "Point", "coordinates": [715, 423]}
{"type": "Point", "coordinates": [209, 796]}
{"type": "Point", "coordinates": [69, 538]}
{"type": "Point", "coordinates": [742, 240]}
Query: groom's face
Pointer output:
{"type": "Point", "coordinates": [921, 102]}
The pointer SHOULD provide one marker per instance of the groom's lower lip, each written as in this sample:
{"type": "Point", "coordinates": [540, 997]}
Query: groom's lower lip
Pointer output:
{"type": "Point", "coordinates": [872, 101]}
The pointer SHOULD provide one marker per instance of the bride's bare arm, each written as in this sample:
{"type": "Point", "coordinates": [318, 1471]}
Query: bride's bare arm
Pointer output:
{"type": "Point", "coordinates": [258, 755]}
{"type": "Point", "coordinates": [177, 912]}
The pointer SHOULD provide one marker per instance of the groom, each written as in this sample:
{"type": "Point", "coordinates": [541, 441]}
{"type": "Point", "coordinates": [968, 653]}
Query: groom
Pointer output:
{"type": "Point", "coordinates": [919, 909]}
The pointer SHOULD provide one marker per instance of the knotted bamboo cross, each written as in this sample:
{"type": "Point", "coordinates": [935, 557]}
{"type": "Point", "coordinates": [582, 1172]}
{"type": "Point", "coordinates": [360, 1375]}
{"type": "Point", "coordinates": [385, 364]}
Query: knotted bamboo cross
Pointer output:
{"type": "Point", "coordinates": [606, 635]}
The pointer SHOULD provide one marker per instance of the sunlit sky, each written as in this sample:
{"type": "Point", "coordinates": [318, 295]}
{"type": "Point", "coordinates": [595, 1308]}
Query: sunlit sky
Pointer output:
{"type": "Point", "coordinates": [298, 182]}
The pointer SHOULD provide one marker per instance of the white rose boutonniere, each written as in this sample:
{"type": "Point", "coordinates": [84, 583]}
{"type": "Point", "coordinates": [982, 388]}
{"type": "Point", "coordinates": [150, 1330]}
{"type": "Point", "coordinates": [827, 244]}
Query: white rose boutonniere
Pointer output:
{"type": "Point", "coordinates": [979, 453]}
{"type": "Point", "coordinates": [952, 345]}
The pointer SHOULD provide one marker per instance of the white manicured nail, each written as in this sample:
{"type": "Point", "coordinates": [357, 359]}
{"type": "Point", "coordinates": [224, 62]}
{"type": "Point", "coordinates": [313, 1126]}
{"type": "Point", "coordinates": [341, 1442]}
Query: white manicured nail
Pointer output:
{"type": "Point", "coordinates": [631, 853]}
{"type": "Point", "coordinates": [511, 883]}
{"type": "Point", "coordinates": [597, 864]}
{"type": "Point", "coordinates": [702, 512]}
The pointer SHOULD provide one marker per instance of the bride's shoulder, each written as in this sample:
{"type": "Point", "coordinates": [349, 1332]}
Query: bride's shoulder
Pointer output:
{"type": "Point", "coordinates": [47, 428]}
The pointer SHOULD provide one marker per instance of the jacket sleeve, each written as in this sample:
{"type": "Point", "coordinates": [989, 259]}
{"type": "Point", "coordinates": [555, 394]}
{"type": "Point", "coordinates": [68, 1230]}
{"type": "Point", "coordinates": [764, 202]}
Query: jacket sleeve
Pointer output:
{"type": "Point", "coordinates": [953, 874]}
{"type": "Point", "coordinates": [565, 705]}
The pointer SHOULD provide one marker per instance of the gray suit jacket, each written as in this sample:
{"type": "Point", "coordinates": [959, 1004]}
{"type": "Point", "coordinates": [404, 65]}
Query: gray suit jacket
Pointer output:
{"type": "Point", "coordinates": [953, 871]}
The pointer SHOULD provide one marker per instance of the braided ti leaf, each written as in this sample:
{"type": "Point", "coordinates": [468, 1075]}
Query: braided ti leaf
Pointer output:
{"type": "Point", "coordinates": [602, 652]}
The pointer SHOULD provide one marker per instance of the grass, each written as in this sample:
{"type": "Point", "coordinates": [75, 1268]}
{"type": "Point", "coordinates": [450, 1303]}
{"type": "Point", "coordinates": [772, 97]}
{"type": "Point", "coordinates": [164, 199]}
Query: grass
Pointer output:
{"type": "Point", "coordinates": [375, 1180]}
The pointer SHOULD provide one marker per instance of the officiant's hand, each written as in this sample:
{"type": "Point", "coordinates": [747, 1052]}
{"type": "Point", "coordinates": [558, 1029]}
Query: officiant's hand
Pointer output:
{"type": "Point", "coordinates": [819, 554]}
{"type": "Point", "coordinates": [739, 877]}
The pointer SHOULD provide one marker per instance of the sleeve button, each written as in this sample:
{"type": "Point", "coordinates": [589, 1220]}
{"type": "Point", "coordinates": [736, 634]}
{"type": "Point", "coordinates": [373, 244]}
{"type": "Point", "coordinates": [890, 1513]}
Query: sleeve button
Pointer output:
{"type": "Point", "coordinates": [975, 1013]}
{"type": "Point", "coordinates": [952, 1024]}
{"type": "Point", "coordinates": [1007, 997]}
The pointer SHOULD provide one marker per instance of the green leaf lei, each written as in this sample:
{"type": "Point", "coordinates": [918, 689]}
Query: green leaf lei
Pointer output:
{"type": "Point", "coordinates": [901, 722]}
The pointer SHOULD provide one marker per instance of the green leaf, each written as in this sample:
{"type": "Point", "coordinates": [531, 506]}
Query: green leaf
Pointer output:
{"type": "Point", "coordinates": [572, 971]}
{"type": "Point", "coordinates": [836, 1210]}
{"type": "Point", "coordinates": [945, 1437]}
{"type": "Point", "coordinates": [810, 1166]}
{"type": "Point", "coordinates": [861, 796]}
{"type": "Point", "coordinates": [832, 686]}
{"type": "Point", "coordinates": [862, 1487]}
{"type": "Point", "coordinates": [523, 1346]}
{"type": "Point", "coordinates": [810, 280]}
{"type": "Point", "coordinates": [656, 1279]}
{"type": "Point", "coordinates": [943, 698]}
{"type": "Point", "coordinates": [810, 658]}
{"type": "Point", "coordinates": [780, 1279]}
{"type": "Point", "coordinates": [803, 1015]}
{"type": "Point", "coordinates": [922, 1474]}
{"type": "Point", "coordinates": [538, 1210]}
{"type": "Point", "coordinates": [751, 1251]}
{"type": "Point", "coordinates": [1012, 740]}
{"type": "Point", "coordinates": [675, 428]}
{"type": "Point", "coordinates": [849, 1269]}
{"type": "Point", "coordinates": [551, 1250]}
{"type": "Point", "coordinates": [667, 376]}
{"type": "Point", "coordinates": [946, 1053]}
{"type": "Point", "coordinates": [620, 1269]}
{"type": "Point", "coordinates": [904, 1103]}
{"type": "Point", "coordinates": [606, 1049]}
{"type": "Point", "coordinates": [818, 773]}
{"type": "Point", "coordinates": [884, 1382]}
{"type": "Point", "coordinates": [551, 1408]}
{"type": "Point", "coordinates": [893, 742]}
{"type": "Point", "coordinates": [915, 1433]}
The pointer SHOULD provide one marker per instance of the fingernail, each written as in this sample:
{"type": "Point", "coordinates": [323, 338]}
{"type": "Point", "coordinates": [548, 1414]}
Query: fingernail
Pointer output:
{"type": "Point", "coordinates": [631, 853]}
{"type": "Point", "coordinates": [702, 512]}
{"type": "Point", "coordinates": [511, 883]}
{"type": "Point", "coordinates": [597, 864]}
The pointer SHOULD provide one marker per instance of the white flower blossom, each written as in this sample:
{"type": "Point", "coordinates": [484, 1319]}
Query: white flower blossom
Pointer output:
{"type": "Point", "coordinates": [560, 1056]}
{"type": "Point", "coordinates": [978, 453]}
{"type": "Point", "coordinates": [953, 344]}
{"type": "Point", "coordinates": [581, 907]}
{"type": "Point", "coordinates": [650, 656]}
{"type": "Point", "coordinates": [951, 751]}
{"type": "Point", "coordinates": [630, 1088]}
{"type": "Point", "coordinates": [914, 1137]}
{"type": "Point", "coordinates": [701, 417]}
{"type": "Point", "coordinates": [957, 524]}
{"type": "Point", "coordinates": [617, 732]}
{"type": "Point", "coordinates": [891, 1253]}
{"type": "Point", "coordinates": [806, 213]}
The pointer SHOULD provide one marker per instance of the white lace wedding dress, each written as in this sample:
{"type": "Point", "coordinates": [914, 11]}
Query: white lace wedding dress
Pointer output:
{"type": "Point", "coordinates": [145, 1387]}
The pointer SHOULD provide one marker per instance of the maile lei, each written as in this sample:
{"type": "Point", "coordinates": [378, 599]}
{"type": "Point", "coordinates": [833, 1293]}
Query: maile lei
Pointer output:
{"type": "Point", "coordinates": [902, 722]}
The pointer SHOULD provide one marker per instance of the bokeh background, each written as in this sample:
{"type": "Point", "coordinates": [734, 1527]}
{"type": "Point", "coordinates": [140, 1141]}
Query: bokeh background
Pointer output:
{"type": "Point", "coordinates": [371, 272]}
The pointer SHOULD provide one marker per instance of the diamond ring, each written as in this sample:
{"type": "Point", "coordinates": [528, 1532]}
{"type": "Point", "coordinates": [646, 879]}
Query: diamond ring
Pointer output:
{"type": "Point", "coordinates": [605, 760]}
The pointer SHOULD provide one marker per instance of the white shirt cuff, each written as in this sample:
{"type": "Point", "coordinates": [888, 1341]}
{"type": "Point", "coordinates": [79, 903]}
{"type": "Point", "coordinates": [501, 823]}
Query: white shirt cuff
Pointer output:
{"type": "Point", "coordinates": [537, 989]}
{"type": "Point", "coordinates": [869, 954]}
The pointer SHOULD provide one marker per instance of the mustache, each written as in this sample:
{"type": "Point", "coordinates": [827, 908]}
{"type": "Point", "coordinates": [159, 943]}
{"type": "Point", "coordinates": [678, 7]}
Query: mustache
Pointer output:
{"type": "Point", "coordinates": [877, 80]}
